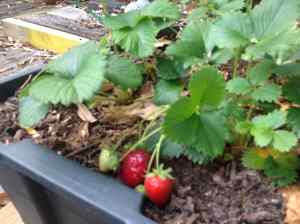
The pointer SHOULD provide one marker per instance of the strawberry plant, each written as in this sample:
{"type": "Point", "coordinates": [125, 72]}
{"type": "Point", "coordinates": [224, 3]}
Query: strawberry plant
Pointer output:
{"type": "Point", "coordinates": [201, 115]}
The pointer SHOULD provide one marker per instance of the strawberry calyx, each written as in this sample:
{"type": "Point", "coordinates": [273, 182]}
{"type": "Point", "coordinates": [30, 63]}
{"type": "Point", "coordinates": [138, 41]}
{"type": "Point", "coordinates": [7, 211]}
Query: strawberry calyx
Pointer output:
{"type": "Point", "coordinates": [140, 188]}
{"type": "Point", "coordinates": [160, 171]}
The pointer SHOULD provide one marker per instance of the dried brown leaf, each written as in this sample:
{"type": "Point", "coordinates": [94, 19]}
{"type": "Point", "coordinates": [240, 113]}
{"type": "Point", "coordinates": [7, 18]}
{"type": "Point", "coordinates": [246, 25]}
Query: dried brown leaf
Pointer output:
{"type": "Point", "coordinates": [147, 111]}
{"type": "Point", "coordinates": [291, 195]}
{"type": "Point", "coordinates": [84, 114]}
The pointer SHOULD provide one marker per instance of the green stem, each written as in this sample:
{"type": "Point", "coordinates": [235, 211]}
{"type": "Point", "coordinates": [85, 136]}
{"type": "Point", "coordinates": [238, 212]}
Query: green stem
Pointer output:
{"type": "Point", "coordinates": [247, 138]}
{"type": "Point", "coordinates": [236, 63]}
{"type": "Point", "coordinates": [161, 139]}
{"type": "Point", "coordinates": [141, 141]}
{"type": "Point", "coordinates": [250, 5]}
{"type": "Point", "coordinates": [151, 124]}
{"type": "Point", "coordinates": [155, 153]}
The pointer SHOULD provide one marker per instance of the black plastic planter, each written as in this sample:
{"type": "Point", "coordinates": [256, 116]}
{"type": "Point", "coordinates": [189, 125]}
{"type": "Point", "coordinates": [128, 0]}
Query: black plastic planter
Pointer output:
{"type": "Point", "coordinates": [49, 189]}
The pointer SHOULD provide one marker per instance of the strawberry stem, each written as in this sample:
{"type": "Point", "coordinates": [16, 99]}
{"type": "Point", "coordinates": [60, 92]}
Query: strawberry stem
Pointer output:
{"type": "Point", "coordinates": [158, 147]}
{"type": "Point", "coordinates": [141, 141]}
{"type": "Point", "coordinates": [153, 122]}
{"type": "Point", "coordinates": [155, 153]}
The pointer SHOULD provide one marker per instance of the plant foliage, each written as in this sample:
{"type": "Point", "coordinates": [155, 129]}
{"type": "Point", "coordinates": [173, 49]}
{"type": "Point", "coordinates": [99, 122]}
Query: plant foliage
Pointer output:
{"type": "Point", "coordinates": [255, 48]}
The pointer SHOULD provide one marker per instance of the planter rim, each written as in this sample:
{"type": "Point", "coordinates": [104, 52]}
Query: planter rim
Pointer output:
{"type": "Point", "coordinates": [74, 182]}
{"type": "Point", "coordinates": [33, 69]}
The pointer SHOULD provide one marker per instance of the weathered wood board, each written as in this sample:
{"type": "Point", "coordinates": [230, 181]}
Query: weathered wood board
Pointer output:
{"type": "Point", "coordinates": [9, 8]}
{"type": "Point", "coordinates": [15, 56]}
{"type": "Point", "coordinates": [9, 215]}
{"type": "Point", "coordinates": [56, 30]}
{"type": "Point", "coordinates": [84, 28]}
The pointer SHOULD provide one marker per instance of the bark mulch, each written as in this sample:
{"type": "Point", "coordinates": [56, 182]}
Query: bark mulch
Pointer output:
{"type": "Point", "coordinates": [219, 194]}
{"type": "Point", "coordinates": [222, 193]}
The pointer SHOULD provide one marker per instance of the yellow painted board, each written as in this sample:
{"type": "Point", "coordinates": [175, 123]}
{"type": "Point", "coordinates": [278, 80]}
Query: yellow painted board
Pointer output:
{"type": "Point", "coordinates": [41, 37]}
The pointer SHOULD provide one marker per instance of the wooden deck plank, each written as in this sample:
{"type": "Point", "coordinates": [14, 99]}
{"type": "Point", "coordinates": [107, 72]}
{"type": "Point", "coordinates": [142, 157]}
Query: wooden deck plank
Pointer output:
{"type": "Point", "coordinates": [3, 196]}
{"type": "Point", "coordinates": [9, 215]}
{"type": "Point", "coordinates": [40, 37]}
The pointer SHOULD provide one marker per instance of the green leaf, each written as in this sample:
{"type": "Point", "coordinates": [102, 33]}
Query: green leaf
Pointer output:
{"type": "Point", "coordinates": [281, 176]}
{"type": "Point", "coordinates": [169, 69]}
{"type": "Point", "coordinates": [233, 31]}
{"type": "Point", "coordinates": [254, 159]}
{"type": "Point", "coordinates": [138, 40]}
{"type": "Point", "coordinates": [273, 120]}
{"type": "Point", "coordinates": [292, 91]}
{"type": "Point", "coordinates": [231, 109]}
{"type": "Point", "coordinates": [243, 127]}
{"type": "Point", "coordinates": [129, 19]}
{"type": "Point", "coordinates": [197, 14]}
{"type": "Point", "coordinates": [72, 78]}
{"type": "Point", "coordinates": [207, 87]}
{"type": "Point", "coordinates": [287, 160]}
{"type": "Point", "coordinates": [222, 56]}
{"type": "Point", "coordinates": [293, 119]}
{"type": "Point", "coordinates": [167, 92]}
{"type": "Point", "coordinates": [284, 140]}
{"type": "Point", "coordinates": [226, 6]}
{"type": "Point", "coordinates": [288, 70]}
{"type": "Point", "coordinates": [31, 111]}
{"type": "Point", "coordinates": [162, 9]}
{"type": "Point", "coordinates": [206, 132]}
{"type": "Point", "coordinates": [262, 135]}
{"type": "Point", "coordinates": [171, 150]}
{"type": "Point", "coordinates": [260, 72]}
{"type": "Point", "coordinates": [266, 30]}
{"type": "Point", "coordinates": [270, 17]}
{"type": "Point", "coordinates": [278, 46]}
{"type": "Point", "coordinates": [124, 72]}
{"type": "Point", "coordinates": [168, 149]}
{"type": "Point", "coordinates": [240, 86]}
{"type": "Point", "coordinates": [191, 43]}
{"type": "Point", "coordinates": [197, 157]}
{"type": "Point", "coordinates": [180, 111]}
{"type": "Point", "coordinates": [267, 93]}
{"type": "Point", "coordinates": [295, 55]}
{"type": "Point", "coordinates": [279, 166]}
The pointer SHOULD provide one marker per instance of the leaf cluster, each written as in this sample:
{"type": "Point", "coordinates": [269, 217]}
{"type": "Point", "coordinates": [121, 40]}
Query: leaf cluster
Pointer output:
{"type": "Point", "coordinates": [258, 109]}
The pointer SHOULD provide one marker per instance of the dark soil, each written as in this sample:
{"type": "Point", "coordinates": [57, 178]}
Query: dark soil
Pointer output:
{"type": "Point", "coordinates": [63, 131]}
{"type": "Point", "coordinates": [222, 194]}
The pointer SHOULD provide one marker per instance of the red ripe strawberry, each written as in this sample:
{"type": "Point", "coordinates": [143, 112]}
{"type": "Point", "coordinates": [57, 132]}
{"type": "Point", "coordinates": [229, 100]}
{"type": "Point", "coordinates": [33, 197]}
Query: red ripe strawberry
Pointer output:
{"type": "Point", "coordinates": [159, 185]}
{"type": "Point", "coordinates": [134, 167]}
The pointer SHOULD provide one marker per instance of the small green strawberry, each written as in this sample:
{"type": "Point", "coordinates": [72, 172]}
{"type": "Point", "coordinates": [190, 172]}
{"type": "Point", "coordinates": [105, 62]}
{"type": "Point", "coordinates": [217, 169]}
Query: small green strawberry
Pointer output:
{"type": "Point", "coordinates": [109, 160]}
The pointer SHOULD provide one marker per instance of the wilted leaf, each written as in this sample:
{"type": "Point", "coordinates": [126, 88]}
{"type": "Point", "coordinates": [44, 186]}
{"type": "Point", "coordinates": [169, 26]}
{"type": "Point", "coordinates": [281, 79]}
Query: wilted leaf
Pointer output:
{"type": "Point", "coordinates": [85, 114]}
